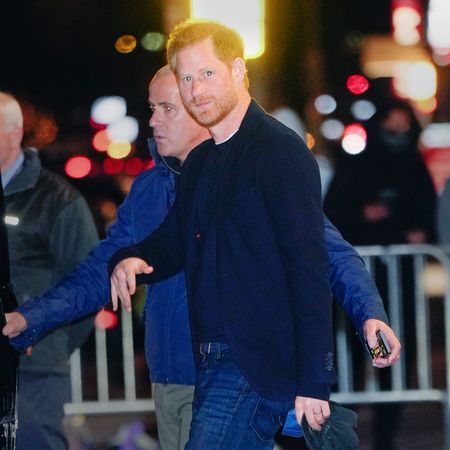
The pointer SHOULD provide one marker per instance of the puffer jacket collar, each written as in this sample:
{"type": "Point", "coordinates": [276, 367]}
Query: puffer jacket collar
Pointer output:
{"type": "Point", "coordinates": [29, 174]}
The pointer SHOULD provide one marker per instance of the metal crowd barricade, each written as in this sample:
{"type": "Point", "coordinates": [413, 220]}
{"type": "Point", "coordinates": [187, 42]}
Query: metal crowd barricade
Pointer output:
{"type": "Point", "coordinates": [413, 280]}
{"type": "Point", "coordinates": [402, 273]}
{"type": "Point", "coordinates": [105, 404]}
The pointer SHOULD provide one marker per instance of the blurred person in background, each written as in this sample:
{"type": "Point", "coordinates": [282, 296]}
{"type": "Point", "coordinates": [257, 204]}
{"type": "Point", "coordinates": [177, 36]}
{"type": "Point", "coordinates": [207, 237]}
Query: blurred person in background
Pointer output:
{"type": "Point", "coordinates": [168, 342]}
{"type": "Point", "coordinates": [384, 196]}
{"type": "Point", "coordinates": [50, 230]}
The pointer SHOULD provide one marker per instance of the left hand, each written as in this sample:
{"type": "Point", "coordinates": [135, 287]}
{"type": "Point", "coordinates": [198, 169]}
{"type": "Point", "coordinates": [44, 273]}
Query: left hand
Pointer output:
{"type": "Point", "coordinates": [370, 328]}
{"type": "Point", "coordinates": [15, 324]}
{"type": "Point", "coordinates": [316, 411]}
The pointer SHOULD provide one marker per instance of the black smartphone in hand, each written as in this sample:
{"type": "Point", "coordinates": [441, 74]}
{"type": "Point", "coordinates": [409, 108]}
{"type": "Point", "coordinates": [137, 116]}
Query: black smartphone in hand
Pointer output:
{"type": "Point", "coordinates": [382, 349]}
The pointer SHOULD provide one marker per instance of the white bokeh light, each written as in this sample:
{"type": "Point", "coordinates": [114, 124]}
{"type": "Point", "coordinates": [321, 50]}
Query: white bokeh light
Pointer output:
{"type": "Point", "coordinates": [105, 110]}
{"type": "Point", "coordinates": [353, 144]}
{"type": "Point", "coordinates": [325, 104]}
{"type": "Point", "coordinates": [123, 129]}
{"type": "Point", "coordinates": [363, 109]}
{"type": "Point", "coordinates": [332, 129]}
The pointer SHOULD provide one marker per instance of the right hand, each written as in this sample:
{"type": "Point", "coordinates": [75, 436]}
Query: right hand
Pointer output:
{"type": "Point", "coordinates": [15, 324]}
{"type": "Point", "coordinates": [123, 281]}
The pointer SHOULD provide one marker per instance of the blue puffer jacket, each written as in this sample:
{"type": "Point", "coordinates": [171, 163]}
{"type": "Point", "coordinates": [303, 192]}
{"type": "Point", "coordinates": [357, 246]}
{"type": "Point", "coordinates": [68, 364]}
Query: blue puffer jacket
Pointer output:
{"type": "Point", "coordinates": [167, 341]}
{"type": "Point", "coordinates": [86, 289]}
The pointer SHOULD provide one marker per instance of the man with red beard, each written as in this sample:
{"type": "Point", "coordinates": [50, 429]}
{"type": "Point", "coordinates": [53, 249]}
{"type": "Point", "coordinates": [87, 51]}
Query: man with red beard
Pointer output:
{"type": "Point", "coordinates": [247, 226]}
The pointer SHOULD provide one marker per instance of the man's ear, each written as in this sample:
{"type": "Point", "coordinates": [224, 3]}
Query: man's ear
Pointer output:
{"type": "Point", "coordinates": [239, 69]}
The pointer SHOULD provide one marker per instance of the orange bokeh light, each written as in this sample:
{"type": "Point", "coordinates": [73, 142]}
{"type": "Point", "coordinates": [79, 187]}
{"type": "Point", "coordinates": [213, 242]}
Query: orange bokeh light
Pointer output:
{"type": "Point", "coordinates": [100, 141]}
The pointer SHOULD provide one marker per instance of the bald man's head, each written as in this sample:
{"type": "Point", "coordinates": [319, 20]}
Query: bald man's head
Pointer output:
{"type": "Point", "coordinates": [11, 130]}
{"type": "Point", "coordinates": [176, 133]}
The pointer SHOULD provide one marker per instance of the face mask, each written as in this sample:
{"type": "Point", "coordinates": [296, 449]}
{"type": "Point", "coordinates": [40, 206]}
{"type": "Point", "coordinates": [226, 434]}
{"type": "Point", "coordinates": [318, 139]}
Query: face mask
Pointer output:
{"type": "Point", "coordinates": [396, 142]}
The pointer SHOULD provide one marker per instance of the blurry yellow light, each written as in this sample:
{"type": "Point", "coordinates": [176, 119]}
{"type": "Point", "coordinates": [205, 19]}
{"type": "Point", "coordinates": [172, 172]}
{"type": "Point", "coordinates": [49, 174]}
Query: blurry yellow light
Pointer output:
{"type": "Point", "coordinates": [415, 80]}
{"type": "Point", "coordinates": [405, 21]}
{"type": "Point", "coordinates": [119, 149]}
{"type": "Point", "coordinates": [427, 106]}
{"type": "Point", "coordinates": [435, 280]}
{"type": "Point", "coordinates": [310, 141]}
{"type": "Point", "coordinates": [246, 17]}
{"type": "Point", "coordinates": [153, 41]}
{"type": "Point", "coordinates": [126, 43]}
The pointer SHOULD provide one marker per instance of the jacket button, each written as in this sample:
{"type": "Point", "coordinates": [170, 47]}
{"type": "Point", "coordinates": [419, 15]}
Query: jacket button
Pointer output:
{"type": "Point", "coordinates": [329, 363]}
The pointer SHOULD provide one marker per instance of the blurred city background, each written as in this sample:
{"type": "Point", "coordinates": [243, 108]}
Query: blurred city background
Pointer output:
{"type": "Point", "coordinates": [332, 70]}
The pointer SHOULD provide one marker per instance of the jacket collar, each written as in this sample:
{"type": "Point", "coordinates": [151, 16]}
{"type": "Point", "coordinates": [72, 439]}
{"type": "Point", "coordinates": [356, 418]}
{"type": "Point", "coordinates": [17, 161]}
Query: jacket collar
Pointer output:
{"type": "Point", "coordinates": [165, 165]}
{"type": "Point", "coordinates": [251, 120]}
{"type": "Point", "coordinates": [29, 174]}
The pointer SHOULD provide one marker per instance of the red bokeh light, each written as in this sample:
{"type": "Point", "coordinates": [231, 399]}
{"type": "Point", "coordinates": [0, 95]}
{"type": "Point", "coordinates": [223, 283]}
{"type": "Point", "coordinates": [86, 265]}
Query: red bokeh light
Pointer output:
{"type": "Point", "coordinates": [134, 166]}
{"type": "Point", "coordinates": [106, 319]}
{"type": "Point", "coordinates": [113, 166]}
{"type": "Point", "coordinates": [357, 84]}
{"type": "Point", "coordinates": [95, 125]}
{"type": "Point", "coordinates": [78, 166]}
{"type": "Point", "coordinates": [356, 128]}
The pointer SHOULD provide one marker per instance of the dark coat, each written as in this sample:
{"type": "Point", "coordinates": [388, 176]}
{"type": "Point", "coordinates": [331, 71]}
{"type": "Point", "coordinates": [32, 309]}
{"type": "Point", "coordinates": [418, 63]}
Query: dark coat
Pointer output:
{"type": "Point", "coordinates": [389, 172]}
{"type": "Point", "coordinates": [271, 257]}
{"type": "Point", "coordinates": [52, 232]}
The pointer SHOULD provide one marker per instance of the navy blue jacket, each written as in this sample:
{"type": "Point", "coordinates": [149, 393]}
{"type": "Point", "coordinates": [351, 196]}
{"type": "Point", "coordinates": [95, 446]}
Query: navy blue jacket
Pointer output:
{"type": "Point", "coordinates": [272, 265]}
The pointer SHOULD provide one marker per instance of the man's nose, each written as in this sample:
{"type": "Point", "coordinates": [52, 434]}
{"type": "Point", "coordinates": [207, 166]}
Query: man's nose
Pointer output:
{"type": "Point", "coordinates": [196, 88]}
{"type": "Point", "coordinates": [155, 118]}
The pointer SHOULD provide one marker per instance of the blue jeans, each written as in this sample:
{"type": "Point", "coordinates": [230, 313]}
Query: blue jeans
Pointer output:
{"type": "Point", "coordinates": [228, 414]}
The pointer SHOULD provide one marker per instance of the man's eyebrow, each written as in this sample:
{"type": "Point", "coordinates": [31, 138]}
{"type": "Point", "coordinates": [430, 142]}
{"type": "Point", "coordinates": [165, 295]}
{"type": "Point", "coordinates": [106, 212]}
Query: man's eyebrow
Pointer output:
{"type": "Point", "coordinates": [163, 103]}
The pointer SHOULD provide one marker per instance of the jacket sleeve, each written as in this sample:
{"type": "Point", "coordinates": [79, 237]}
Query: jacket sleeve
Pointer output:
{"type": "Point", "coordinates": [351, 284]}
{"type": "Point", "coordinates": [292, 191]}
{"type": "Point", "coordinates": [162, 249]}
{"type": "Point", "coordinates": [85, 290]}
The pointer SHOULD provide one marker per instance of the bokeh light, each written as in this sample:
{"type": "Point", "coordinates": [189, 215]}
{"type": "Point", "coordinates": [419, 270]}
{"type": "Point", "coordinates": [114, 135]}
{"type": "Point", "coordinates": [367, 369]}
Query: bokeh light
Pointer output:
{"type": "Point", "coordinates": [357, 84]}
{"type": "Point", "coordinates": [126, 43]}
{"type": "Point", "coordinates": [436, 135]}
{"type": "Point", "coordinates": [427, 106]}
{"type": "Point", "coordinates": [107, 109]}
{"type": "Point", "coordinates": [325, 104]}
{"type": "Point", "coordinates": [78, 166]}
{"type": "Point", "coordinates": [310, 141]}
{"type": "Point", "coordinates": [153, 41]}
{"type": "Point", "coordinates": [106, 319]}
{"type": "Point", "coordinates": [363, 109]}
{"type": "Point", "coordinates": [134, 166]}
{"type": "Point", "coordinates": [119, 149]}
{"type": "Point", "coordinates": [246, 17]}
{"type": "Point", "coordinates": [101, 141]}
{"type": "Point", "coordinates": [405, 21]}
{"type": "Point", "coordinates": [354, 140]}
{"type": "Point", "coordinates": [113, 166]}
{"type": "Point", "coordinates": [332, 129]}
{"type": "Point", "coordinates": [123, 129]}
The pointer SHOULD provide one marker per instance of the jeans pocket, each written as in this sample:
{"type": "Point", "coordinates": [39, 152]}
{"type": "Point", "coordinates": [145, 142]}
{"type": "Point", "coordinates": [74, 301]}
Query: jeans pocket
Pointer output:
{"type": "Point", "coordinates": [266, 419]}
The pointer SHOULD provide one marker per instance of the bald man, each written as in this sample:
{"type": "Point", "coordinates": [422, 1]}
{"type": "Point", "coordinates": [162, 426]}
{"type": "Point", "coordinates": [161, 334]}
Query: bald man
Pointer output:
{"type": "Point", "coordinates": [50, 230]}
